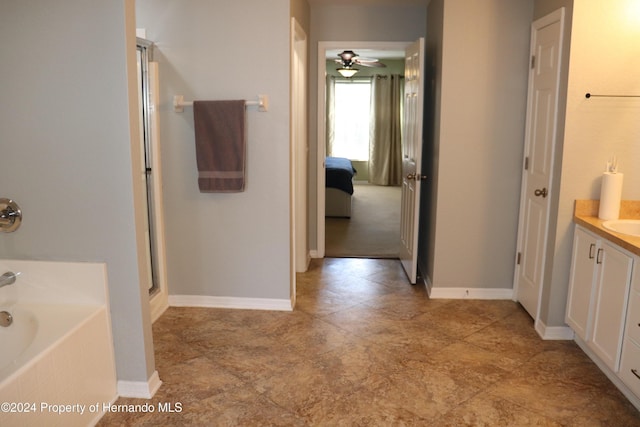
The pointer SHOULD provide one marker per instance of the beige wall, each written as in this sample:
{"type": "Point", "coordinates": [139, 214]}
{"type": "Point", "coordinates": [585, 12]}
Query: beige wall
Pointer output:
{"type": "Point", "coordinates": [606, 61]}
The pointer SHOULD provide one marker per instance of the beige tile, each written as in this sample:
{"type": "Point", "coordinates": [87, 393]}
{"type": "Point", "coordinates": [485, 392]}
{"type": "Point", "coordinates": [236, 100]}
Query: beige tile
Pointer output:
{"type": "Point", "coordinates": [364, 348]}
{"type": "Point", "coordinates": [468, 362]}
{"type": "Point", "coordinates": [241, 407]}
{"type": "Point", "coordinates": [424, 392]}
{"type": "Point", "coordinates": [205, 378]}
{"type": "Point", "coordinates": [487, 411]}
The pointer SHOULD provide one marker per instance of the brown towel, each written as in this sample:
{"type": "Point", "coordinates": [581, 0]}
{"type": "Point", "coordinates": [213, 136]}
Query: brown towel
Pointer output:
{"type": "Point", "coordinates": [220, 145]}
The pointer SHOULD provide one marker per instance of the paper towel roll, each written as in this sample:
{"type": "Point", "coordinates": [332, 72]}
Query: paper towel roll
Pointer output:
{"type": "Point", "coordinates": [610, 195]}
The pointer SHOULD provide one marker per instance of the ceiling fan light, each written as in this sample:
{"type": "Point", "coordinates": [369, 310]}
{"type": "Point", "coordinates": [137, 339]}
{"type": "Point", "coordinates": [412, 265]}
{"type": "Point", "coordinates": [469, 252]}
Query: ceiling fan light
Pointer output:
{"type": "Point", "coordinates": [347, 72]}
{"type": "Point", "coordinates": [347, 55]}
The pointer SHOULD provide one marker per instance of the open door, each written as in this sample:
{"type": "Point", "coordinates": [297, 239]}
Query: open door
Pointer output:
{"type": "Point", "coordinates": [540, 139]}
{"type": "Point", "coordinates": [412, 158]}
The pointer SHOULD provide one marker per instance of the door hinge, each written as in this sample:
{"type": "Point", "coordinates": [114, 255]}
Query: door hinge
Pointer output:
{"type": "Point", "coordinates": [526, 163]}
{"type": "Point", "coordinates": [518, 258]}
{"type": "Point", "coordinates": [533, 61]}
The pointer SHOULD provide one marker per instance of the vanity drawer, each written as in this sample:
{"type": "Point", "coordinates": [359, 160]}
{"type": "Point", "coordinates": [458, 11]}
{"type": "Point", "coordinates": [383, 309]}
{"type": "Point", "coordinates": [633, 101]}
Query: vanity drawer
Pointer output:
{"type": "Point", "coordinates": [633, 317]}
{"type": "Point", "coordinates": [630, 366]}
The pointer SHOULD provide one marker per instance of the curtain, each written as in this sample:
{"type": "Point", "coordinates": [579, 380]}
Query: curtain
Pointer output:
{"type": "Point", "coordinates": [330, 113]}
{"type": "Point", "coordinates": [385, 146]}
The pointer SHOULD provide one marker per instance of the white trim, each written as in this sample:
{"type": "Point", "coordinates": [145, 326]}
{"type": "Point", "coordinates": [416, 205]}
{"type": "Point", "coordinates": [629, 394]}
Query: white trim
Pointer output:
{"type": "Point", "coordinates": [553, 332]}
{"type": "Point", "coordinates": [323, 46]}
{"type": "Point", "coordinates": [230, 302]}
{"type": "Point", "coordinates": [470, 293]}
{"type": "Point", "coordinates": [140, 389]}
{"type": "Point", "coordinates": [158, 302]}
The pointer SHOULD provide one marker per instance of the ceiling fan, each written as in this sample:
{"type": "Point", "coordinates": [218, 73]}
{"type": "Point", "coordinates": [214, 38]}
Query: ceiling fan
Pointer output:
{"type": "Point", "coordinates": [349, 58]}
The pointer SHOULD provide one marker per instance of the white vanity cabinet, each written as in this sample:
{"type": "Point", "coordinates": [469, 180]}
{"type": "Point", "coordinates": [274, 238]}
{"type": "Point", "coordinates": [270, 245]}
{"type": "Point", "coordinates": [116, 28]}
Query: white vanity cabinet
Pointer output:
{"type": "Point", "coordinates": [630, 364]}
{"type": "Point", "coordinates": [598, 294]}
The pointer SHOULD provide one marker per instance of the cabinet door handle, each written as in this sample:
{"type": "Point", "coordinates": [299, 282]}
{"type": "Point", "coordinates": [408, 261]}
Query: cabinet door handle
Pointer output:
{"type": "Point", "coordinates": [598, 257]}
{"type": "Point", "coordinates": [591, 248]}
{"type": "Point", "coordinates": [635, 372]}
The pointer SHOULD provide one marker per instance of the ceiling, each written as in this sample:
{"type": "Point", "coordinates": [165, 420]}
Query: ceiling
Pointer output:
{"type": "Point", "coordinates": [369, 53]}
{"type": "Point", "coordinates": [371, 2]}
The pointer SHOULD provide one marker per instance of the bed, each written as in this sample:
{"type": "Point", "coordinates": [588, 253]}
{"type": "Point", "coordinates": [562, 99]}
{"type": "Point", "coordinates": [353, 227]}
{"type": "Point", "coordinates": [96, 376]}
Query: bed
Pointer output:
{"type": "Point", "coordinates": [339, 186]}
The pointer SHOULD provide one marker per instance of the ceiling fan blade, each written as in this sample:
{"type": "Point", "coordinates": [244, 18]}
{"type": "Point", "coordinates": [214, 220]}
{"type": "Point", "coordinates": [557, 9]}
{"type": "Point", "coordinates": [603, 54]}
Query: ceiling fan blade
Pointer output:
{"type": "Point", "coordinates": [370, 64]}
{"type": "Point", "coordinates": [362, 58]}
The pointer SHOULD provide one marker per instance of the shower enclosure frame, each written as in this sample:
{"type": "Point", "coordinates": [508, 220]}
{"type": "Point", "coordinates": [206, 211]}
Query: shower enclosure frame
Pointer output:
{"type": "Point", "coordinates": [148, 95]}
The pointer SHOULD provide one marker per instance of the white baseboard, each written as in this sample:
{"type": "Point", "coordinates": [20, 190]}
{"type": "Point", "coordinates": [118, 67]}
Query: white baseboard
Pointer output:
{"type": "Point", "coordinates": [468, 293]}
{"type": "Point", "coordinates": [230, 302]}
{"type": "Point", "coordinates": [553, 332]}
{"type": "Point", "coordinates": [313, 253]}
{"type": "Point", "coordinates": [140, 389]}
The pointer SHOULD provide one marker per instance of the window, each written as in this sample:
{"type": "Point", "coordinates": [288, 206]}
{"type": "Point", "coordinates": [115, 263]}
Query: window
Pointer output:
{"type": "Point", "coordinates": [352, 100]}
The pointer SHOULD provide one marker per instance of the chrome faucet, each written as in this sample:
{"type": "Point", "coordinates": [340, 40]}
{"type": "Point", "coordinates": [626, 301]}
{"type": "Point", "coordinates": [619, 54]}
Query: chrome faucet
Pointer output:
{"type": "Point", "coordinates": [8, 278]}
{"type": "Point", "coordinates": [7, 215]}
{"type": "Point", "coordinates": [10, 215]}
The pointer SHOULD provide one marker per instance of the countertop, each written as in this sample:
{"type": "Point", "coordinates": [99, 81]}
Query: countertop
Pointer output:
{"type": "Point", "coordinates": [586, 214]}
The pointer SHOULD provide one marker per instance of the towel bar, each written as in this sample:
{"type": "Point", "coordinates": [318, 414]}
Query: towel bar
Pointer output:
{"type": "Point", "coordinates": [179, 103]}
{"type": "Point", "coordinates": [590, 95]}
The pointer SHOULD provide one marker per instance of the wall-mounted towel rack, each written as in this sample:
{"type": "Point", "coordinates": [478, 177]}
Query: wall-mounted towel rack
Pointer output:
{"type": "Point", "coordinates": [179, 103]}
{"type": "Point", "coordinates": [591, 95]}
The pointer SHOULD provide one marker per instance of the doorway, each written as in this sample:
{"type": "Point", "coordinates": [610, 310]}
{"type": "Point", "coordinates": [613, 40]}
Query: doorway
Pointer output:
{"type": "Point", "coordinates": [356, 236]}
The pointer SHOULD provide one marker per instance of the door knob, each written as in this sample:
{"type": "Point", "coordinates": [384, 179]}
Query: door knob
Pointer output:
{"type": "Point", "coordinates": [416, 177]}
{"type": "Point", "coordinates": [542, 192]}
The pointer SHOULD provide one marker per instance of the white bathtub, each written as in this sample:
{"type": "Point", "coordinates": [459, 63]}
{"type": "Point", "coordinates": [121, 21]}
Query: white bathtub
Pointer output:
{"type": "Point", "coordinates": [56, 358]}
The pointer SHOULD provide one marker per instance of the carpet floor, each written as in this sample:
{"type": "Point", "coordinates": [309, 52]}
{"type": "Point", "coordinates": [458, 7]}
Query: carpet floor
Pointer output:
{"type": "Point", "coordinates": [373, 231]}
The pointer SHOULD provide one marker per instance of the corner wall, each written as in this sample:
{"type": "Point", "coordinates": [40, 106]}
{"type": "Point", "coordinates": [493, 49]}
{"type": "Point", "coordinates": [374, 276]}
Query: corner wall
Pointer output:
{"type": "Point", "coordinates": [67, 151]}
{"type": "Point", "coordinates": [238, 244]}
{"type": "Point", "coordinates": [478, 133]}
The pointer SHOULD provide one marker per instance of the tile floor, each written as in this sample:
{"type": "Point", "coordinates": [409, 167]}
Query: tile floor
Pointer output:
{"type": "Point", "coordinates": [364, 348]}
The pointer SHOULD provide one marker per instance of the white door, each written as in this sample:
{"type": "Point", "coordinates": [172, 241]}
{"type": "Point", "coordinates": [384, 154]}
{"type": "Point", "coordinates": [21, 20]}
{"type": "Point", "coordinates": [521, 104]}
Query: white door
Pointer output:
{"type": "Point", "coordinates": [542, 114]}
{"type": "Point", "coordinates": [411, 157]}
